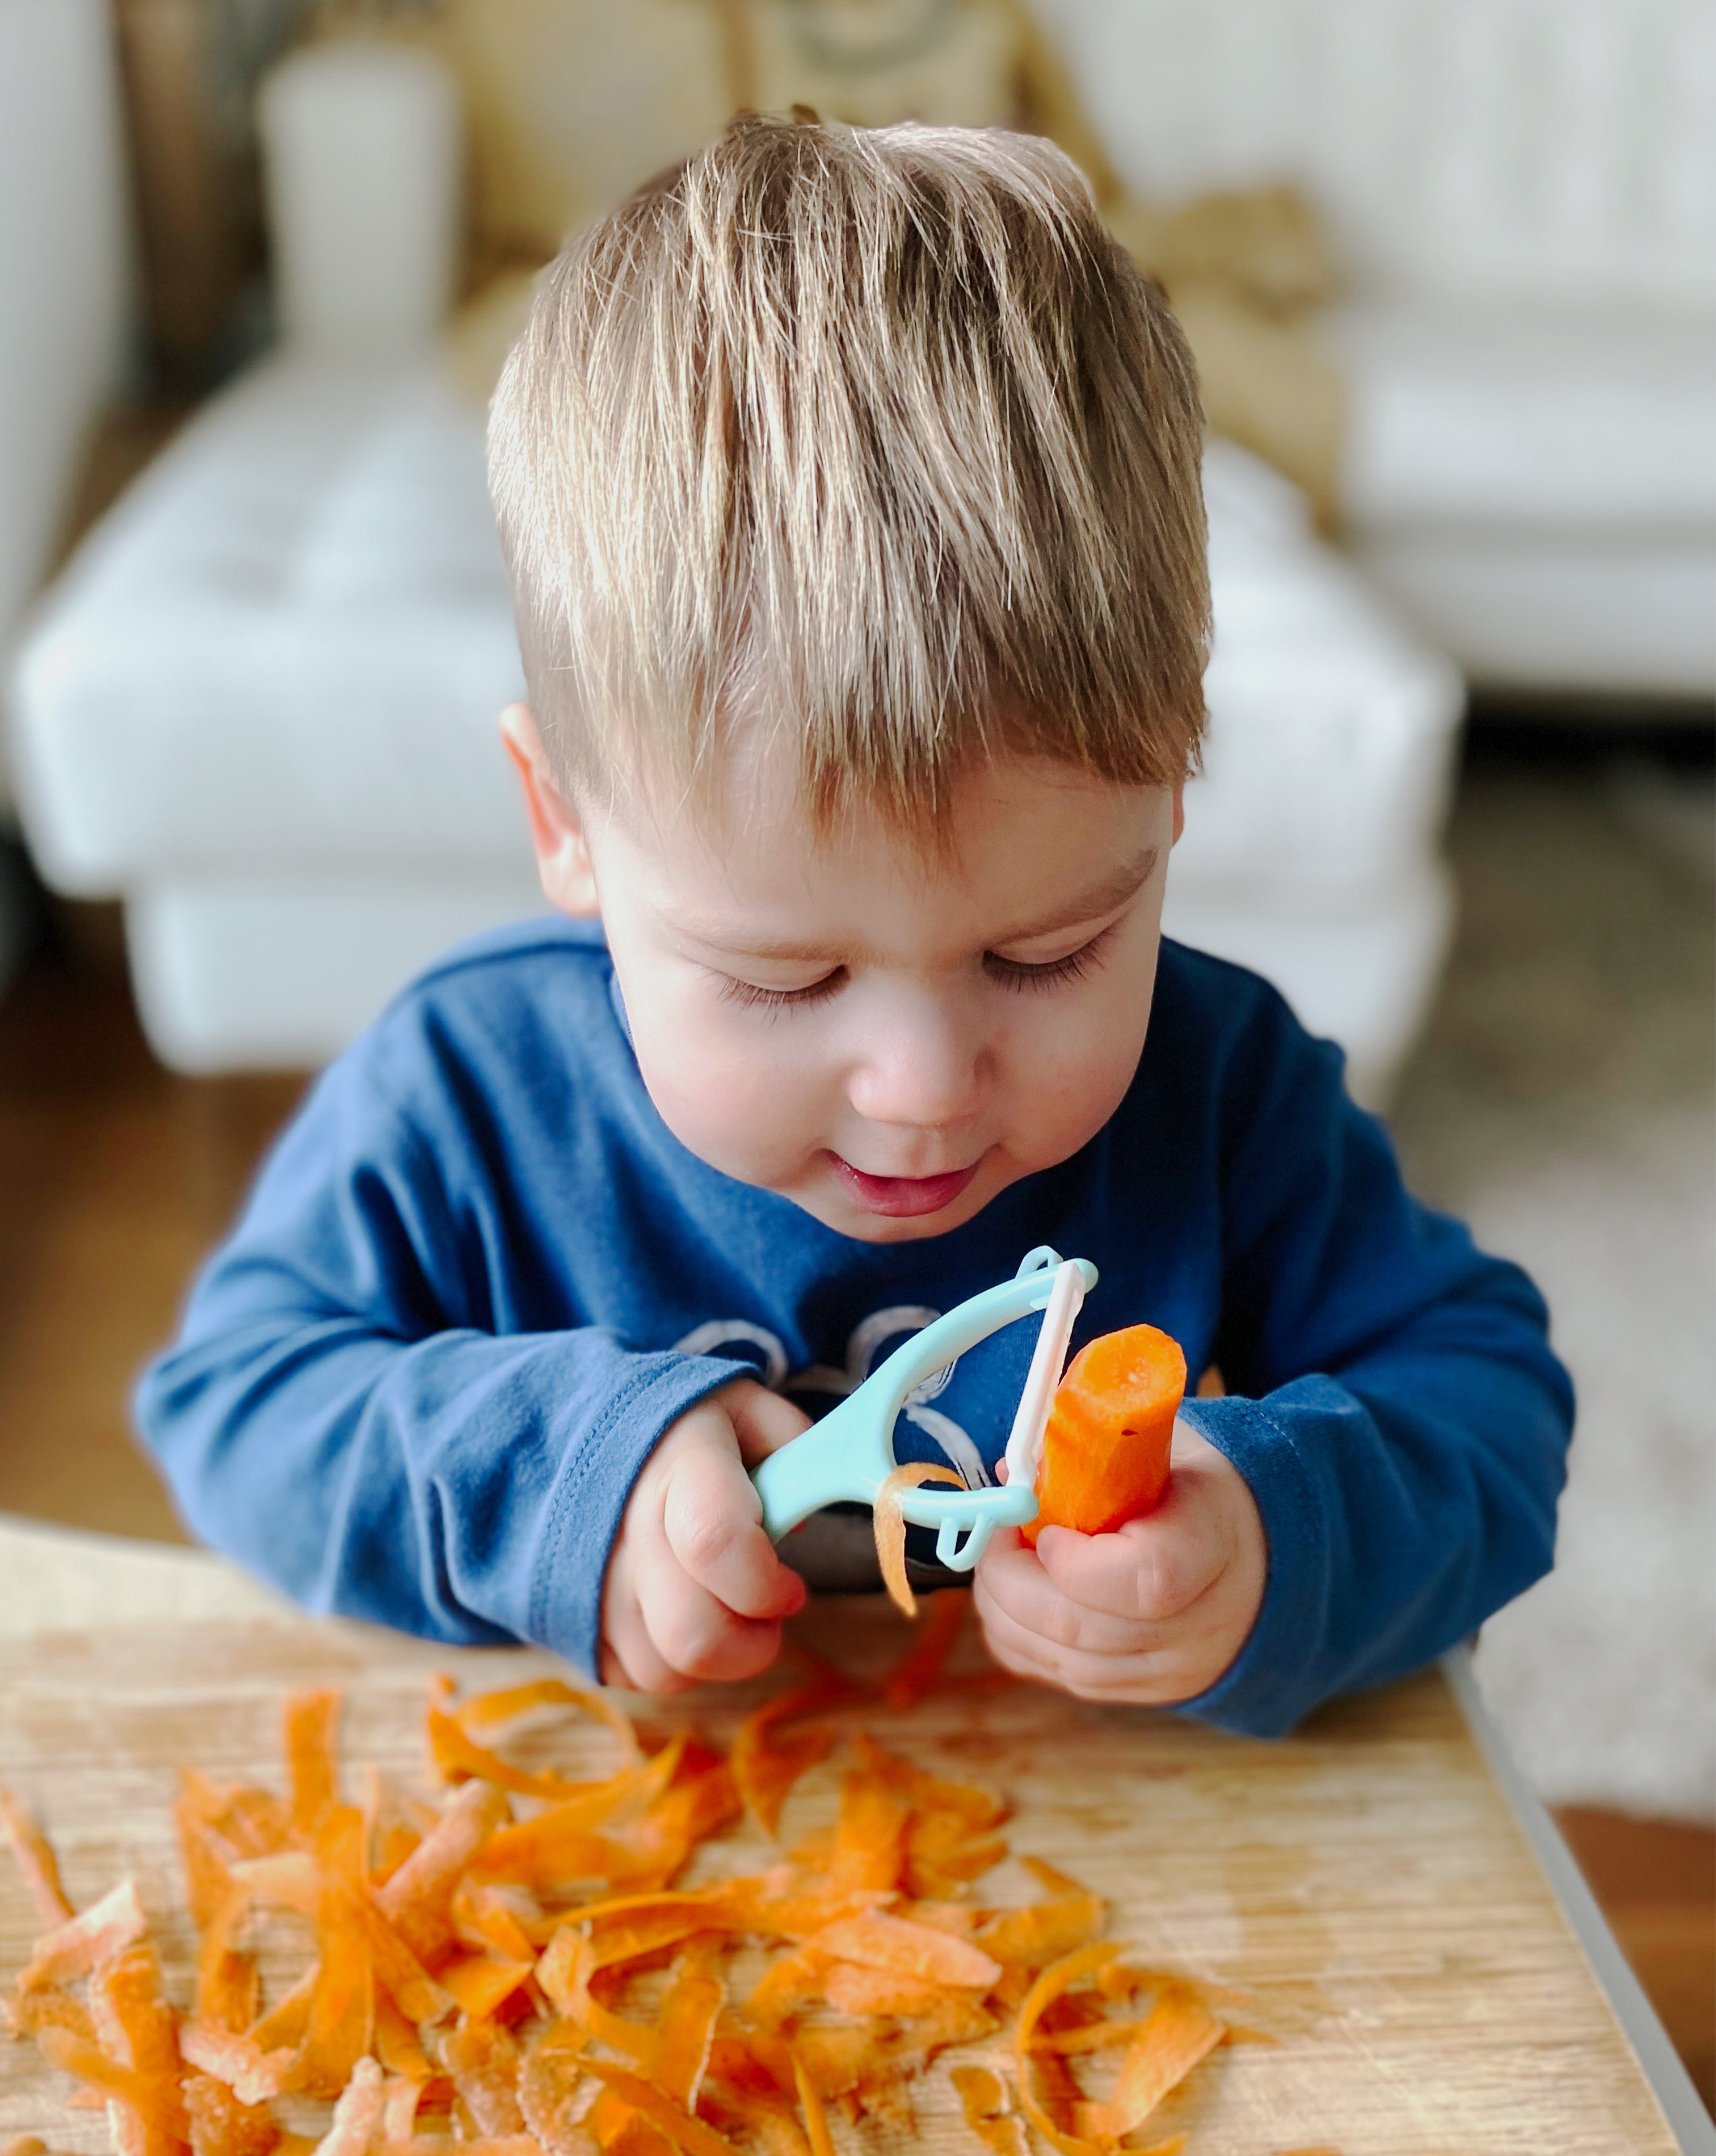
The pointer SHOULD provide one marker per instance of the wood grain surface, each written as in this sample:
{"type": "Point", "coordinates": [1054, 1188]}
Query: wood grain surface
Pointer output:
{"type": "Point", "coordinates": [1363, 1881]}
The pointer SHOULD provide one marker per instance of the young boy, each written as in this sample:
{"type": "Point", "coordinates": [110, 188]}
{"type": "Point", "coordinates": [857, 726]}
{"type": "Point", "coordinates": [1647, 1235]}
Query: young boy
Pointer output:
{"type": "Point", "coordinates": [850, 486]}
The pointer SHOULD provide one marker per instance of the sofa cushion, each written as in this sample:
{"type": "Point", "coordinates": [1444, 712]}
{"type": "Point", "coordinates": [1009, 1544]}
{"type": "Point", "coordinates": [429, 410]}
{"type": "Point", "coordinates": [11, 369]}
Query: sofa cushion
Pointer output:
{"type": "Point", "coordinates": [1479, 414]}
{"type": "Point", "coordinates": [288, 643]}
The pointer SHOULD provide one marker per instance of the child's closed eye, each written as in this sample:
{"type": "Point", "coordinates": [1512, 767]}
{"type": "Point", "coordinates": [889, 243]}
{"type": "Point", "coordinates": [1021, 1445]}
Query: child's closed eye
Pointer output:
{"type": "Point", "coordinates": [748, 995]}
{"type": "Point", "coordinates": [1018, 974]}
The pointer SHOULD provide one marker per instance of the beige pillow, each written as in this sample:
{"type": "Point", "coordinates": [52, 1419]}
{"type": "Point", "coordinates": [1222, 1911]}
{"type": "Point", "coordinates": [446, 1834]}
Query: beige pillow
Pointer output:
{"type": "Point", "coordinates": [952, 62]}
{"type": "Point", "coordinates": [573, 102]}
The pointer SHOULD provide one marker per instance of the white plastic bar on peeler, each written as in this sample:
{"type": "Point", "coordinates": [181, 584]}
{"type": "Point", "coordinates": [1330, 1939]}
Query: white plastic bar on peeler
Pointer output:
{"type": "Point", "coordinates": [1024, 1443]}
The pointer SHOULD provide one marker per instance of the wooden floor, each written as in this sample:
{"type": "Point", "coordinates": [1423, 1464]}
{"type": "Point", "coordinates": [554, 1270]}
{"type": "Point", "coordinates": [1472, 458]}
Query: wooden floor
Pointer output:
{"type": "Point", "coordinates": [115, 1176]}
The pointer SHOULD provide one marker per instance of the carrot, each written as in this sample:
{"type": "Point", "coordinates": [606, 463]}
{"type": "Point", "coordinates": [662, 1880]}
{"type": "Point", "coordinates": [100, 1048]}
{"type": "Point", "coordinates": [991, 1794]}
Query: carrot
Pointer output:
{"type": "Point", "coordinates": [906, 1949]}
{"type": "Point", "coordinates": [1105, 1451]}
{"type": "Point", "coordinates": [983, 2097]}
{"type": "Point", "coordinates": [891, 1526]}
{"type": "Point", "coordinates": [36, 1861]}
{"type": "Point", "coordinates": [1179, 2032]}
{"type": "Point", "coordinates": [538, 1935]}
{"type": "Point", "coordinates": [919, 1669]}
{"type": "Point", "coordinates": [1056, 1980]}
{"type": "Point", "coordinates": [308, 1721]}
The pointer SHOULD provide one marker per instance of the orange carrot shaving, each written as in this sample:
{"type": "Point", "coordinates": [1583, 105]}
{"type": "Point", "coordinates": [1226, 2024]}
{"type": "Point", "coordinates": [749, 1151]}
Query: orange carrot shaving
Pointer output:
{"type": "Point", "coordinates": [891, 1526]}
{"type": "Point", "coordinates": [483, 2062]}
{"type": "Point", "coordinates": [221, 2126]}
{"type": "Point", "coordinates": [72, 1949]}
{"type": "Point", "coordinates": [157, 2104]}
{"type": "Point", "coordinates": [868, 1838]}
{"type": "Point", "coordinates": [357, 2112]}
{"type": "Point", "coordinates": [815, 2113]}
{"type": "Point", "coordinates": [851, 1988]}
{"type": "Point", "coordinates": [286, 2021]}
{"type": "Point", "coordinates": [37, 1864]}
{"type": "Point", "coordinates": [549, 2095]}
{"type": "Point", "coordinates": [481, 1985]}
{"type": "Point", "coordinates": [309, 1719]}
{"type": "Point", "coordinates": [882, 1941]}
{"type": "Point", "coordinates": [252, 2074]}
{"type": "Point", "coordinates": [1178, 2031]}
{"type": "Point", "coordinates": [1106, 1449]}
{"type": "Point", "coordinates": [790, 1980]}
{"type": "Point", "coordinates": [989, 2110]}
{"type": "Point", "coordinates": [765, 1769]}
{"type": "Point", "coordinates": [342, 2023]}
{"type": "Point", "coordinates": [976, 1807]}
{"type": "Point", "coordinates": [416, 1899]}
{"type": "Point", "coordinates": [668, 2117]}
{"type": "Point", "coordinates": [497, 1710]}
{"type": "Point", "coordinates": [920, 1666]}
{"type": "Point", "coordinates": [1057, 1979]}
{"type": "Point", "coordinates": [398, 2045]}
{"type": "Point", "coordinates": [686, 2027]}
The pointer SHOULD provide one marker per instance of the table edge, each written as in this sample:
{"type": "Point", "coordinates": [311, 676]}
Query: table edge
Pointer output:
{"type": "Point", "coordinates": [1682, 2106]}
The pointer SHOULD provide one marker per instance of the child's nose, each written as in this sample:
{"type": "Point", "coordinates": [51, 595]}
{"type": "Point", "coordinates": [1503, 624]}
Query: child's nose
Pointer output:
{"type": "Point", "coordinates": [919, 1068]}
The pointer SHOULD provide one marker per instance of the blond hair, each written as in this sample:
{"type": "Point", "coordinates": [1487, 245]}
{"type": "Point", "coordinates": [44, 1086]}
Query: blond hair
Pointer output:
{"type": "Point", "coordinates": [873, 440]}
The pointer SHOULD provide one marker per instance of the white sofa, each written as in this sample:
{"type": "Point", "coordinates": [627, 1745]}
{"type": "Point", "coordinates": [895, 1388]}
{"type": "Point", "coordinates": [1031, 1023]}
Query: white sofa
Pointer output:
{"type": "Point", "coordinates": [1524, 192]}
{"type": "Point", "coordinates": [260, 705]}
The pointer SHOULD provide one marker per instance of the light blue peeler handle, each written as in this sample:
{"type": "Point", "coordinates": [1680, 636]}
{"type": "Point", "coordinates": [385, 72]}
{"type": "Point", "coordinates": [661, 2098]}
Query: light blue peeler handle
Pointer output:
{"type": "Point", "coordinates": [848, 1455]}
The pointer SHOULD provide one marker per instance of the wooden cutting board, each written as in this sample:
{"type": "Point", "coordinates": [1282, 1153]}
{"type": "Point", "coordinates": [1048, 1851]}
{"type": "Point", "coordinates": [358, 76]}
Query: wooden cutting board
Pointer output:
{"type": "Point", "coordinates": [1363, 1881]}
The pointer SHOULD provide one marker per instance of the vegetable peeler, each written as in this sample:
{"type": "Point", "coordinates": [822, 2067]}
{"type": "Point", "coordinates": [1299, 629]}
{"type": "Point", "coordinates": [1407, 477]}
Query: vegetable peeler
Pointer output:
{"type": "Point", "coordinates": [848, 1455]}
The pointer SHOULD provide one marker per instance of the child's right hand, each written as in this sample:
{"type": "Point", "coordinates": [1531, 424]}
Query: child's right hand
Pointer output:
{"type": "Point", "coordinates": [694, 1589]}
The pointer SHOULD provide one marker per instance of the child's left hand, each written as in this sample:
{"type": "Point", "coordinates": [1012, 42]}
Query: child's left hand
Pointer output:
{"type": "Point", "coordinates": [1149, 1615]}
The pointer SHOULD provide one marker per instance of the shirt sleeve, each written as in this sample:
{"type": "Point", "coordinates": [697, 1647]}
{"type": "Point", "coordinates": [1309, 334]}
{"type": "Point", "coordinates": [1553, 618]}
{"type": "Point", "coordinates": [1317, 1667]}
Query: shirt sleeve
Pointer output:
{"type": "Point", "coordinates": [1393, 1401]}
{"type": "Point", "coordinates": [343, 1412]}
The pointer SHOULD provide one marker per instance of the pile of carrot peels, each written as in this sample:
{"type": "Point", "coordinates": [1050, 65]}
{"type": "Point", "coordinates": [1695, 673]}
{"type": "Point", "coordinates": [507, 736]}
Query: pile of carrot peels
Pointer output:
{"type": "Point", "coordinates": [513, 1972]}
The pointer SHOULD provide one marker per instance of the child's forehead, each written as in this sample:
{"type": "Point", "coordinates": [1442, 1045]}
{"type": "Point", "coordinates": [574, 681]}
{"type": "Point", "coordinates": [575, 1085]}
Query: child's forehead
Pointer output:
{"type": "Point", "coordinates": [1024, 844]}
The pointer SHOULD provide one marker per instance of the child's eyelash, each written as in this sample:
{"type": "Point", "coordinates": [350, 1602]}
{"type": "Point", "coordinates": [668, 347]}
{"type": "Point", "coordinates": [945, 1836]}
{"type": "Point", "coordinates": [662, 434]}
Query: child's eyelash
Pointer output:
{"type": "Point", "coordinates": [1011, 973]}
{"type": "Point", "coordinates": [749, 997]}
{"type": "Point", "coordinates": [1007, 973]}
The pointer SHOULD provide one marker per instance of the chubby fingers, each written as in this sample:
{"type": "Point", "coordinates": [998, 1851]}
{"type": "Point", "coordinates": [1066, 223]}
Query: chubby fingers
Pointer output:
{"type": "Point", "coordinates": [763, 1421]}
{"type": "Point", "coordinates": [711, 1518]}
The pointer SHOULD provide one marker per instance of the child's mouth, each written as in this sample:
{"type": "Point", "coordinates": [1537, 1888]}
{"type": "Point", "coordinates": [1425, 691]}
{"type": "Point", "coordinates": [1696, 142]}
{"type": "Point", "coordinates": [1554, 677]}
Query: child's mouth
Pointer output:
{"type": "Point", "coordinates": [902, 1197]}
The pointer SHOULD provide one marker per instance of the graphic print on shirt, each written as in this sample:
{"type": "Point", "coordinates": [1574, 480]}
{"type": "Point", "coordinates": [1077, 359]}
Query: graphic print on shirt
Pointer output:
{"type": "Point", "coordinates": [720, 1336]}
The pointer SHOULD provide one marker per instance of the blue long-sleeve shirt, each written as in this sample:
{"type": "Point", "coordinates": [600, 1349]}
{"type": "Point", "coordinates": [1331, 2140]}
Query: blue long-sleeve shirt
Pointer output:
{"type": "Point", "coordinates": [478, 1278]}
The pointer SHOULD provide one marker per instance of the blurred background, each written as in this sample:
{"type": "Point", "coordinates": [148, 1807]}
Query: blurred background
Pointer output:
{"type": "Point", "coordinates": [1450, 269]}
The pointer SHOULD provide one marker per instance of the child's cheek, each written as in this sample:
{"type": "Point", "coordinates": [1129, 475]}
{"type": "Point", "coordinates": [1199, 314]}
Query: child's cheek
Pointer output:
{"type": "Point", "coordinates": [731, 1089]}
{"type": "Point", "coordinates": [1070, 1071]}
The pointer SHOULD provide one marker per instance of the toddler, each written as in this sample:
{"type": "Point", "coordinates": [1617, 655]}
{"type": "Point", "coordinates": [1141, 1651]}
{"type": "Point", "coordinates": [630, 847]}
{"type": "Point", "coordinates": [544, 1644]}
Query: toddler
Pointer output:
{"type": "Point", "coordinates": [849, 482]}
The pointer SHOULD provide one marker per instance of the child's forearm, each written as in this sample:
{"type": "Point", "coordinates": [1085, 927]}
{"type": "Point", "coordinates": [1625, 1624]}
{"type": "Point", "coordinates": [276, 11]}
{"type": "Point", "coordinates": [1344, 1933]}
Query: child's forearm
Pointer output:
{"type": "Point", "coordinates": [1405, 1501]}
{"type": "Point", "coordinates": [461, 1487]}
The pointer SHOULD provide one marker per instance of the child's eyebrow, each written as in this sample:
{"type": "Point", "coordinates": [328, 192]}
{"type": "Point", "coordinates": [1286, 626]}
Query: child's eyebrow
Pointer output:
{"type": "Point", "coordinates": [1122, 884]}
{"type": "Point", "coordinates": [1115, 889]}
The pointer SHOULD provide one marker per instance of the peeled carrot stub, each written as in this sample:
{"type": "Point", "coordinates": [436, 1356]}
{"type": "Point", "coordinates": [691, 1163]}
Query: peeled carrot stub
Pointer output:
{"type": "Point", "coordinates": [1105, 1451]}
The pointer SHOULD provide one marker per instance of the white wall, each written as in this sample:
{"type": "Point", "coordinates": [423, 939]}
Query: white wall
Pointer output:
{"type": "Point", "coordinates": [64, 280]}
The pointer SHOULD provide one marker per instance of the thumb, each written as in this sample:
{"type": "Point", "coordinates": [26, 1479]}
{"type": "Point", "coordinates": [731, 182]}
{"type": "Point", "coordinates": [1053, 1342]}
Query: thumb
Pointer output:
{"type": "Point", "coordinates": [762, 1420]}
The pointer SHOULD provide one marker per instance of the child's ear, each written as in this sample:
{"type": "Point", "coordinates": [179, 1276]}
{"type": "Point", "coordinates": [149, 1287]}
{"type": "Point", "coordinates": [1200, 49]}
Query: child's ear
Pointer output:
{"type": "Point", "coordinates": [557, 829]}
